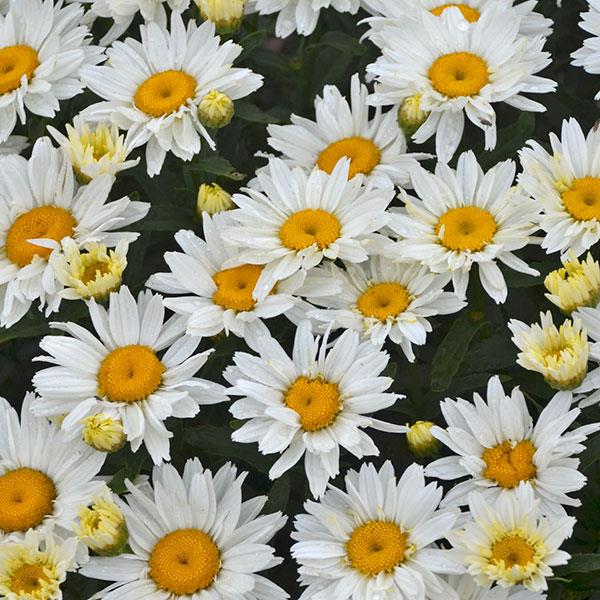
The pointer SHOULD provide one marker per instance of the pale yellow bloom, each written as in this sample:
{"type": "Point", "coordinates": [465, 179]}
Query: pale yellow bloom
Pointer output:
{"type": "Point", "coordinates": [227, 15]}
{"type": "Point", "coordinates": [559, 354]}
{"type": "Point", "coordinates": [212, 199]}
{"type": "Point", "coordinates": [216, 110]}
{"type": "Point", "coordinates": [34, 568]}
{"type": "Point", "coordinates": [420, 440]}
{"type": "Point", "coordinates": [575, 285]}
{"type": "Point", "coordinates": [94, 150]}
{"type": "Point", "coordinates": [91, 273]}
{"type": "Point", "coordinates": [102, 525]}
{"type": "Point", "coordinates": [410, 114]}
{"type": "Point", "coordinates": [103, 433]}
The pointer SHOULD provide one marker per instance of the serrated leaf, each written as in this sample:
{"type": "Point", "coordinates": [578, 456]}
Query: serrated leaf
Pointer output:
{"type": "Point", "coordinates": [451, 352]}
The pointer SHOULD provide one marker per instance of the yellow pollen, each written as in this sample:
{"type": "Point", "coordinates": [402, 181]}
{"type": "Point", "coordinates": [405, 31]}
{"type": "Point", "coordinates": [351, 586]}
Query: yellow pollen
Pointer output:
{"type": "Point", "coordinates": [94, 271]}
{"type": "Point", "coordinates": [235, 287]}
{"type": "Point", "coordinates": [26, 498]}
{"type": "Point", "coordinates": [513, 550]}
{"type": "Point", "coordinates": [459, 74]}
{"type": "Point", "coordinates": [129, 374]}
{"type": "Point", "coordinates": [163, 93]}
{"type": "Point", "coordinates": [184, 562]}
{"type": "Point", "coordinates": [16, 61]}
{"type": "Point", "coordinates": [364, 155]}
{"type": "Point", "coordinates": [470, 14]}
{"type": "Point", "coordinates": [508, 464]}
{"type": "Point", "coordinates": [316, 401]}
{"type": "Point", "coordinates": [308, 227]}
{"type": "Point", "coordinates": [28, 579]}
{"type": "Point", "coordinates": [50, 222]}
{"type": "Point", "coordinates": [467, 228]}
{"type": "Point", "coordinates": [383, 300]}
{"type": "Point", "coordinates": [582, 199]}
{"type": "Point", "coordinates": [376, 547]}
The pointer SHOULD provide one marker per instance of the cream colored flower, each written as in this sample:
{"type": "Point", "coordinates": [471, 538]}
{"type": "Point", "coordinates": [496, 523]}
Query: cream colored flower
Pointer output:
{"type": "Point", "coordinates": [103, 432]}
{"type": "Point", "coordinates": [93, 273]}
{"type": "Point", "coordinates": [420, 440]}
{"type": "Point", "coordinates": [212, 199]}
{"type": "Point", "coordinates": [576, 284]}
{"type": "Point", "coordinates": [227, 15]}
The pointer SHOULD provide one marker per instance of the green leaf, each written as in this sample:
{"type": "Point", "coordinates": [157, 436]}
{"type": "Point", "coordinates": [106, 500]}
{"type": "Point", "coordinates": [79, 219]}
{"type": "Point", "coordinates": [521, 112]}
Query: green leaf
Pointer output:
{"type": "Point", "coordinates": [492, 354]}
{"type": "Point", "coordinates": [280, 493]}
{"type": "Point", "coordinates": [343, 42]}
{"type": "Point", "coordinates": [216, 165]}
{"type": "Point", "coordinates": [591, 454]}
{"type": "Point", "coordinates": [581, 563]}
{"type": "Point", "coordinates": [250, 112]}
{"type": "Point", "coordinates": [130, 470]}
{"type": "Point", "coordinates": [451, 352]}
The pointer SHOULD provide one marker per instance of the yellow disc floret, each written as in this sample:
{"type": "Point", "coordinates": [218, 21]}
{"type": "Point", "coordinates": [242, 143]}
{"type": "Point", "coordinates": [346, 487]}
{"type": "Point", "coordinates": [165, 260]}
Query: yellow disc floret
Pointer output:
{"type": "Point", "coordinates": [383, 300]}
{"type": "Point", "coordinates": [459, 74]}
{"type": "Point", "coordinates": [376, 547]}
{"type": "Point", "coordinates": [513, 550]}
{"type": "Point", "coordinates": [316, 401]}
{"type": "Point", "coordinates": [16, 62]}
{"type": "Point", "coordinates": [308, 227]}
{"type": "Point", "coordinates": [468, 228]}
{"type": "Point", "coordinates": [184, 562]}
{"type": "Point", "coordinates": [510, 463]}
{"type": "Point", "coordinates": [363, 153]}
{"type": "Point", "coordinates": [165, 92]}
{"type": "Point", "coordinates": [50, 222]}
{"type": "Point", "coordinates": [129, 374]}
{"type": "Point", "coordinates": [582, 199]}
{"type": "Point", "coordinates": [470, 14]}
{"type": "Point", "coordinates": [27, 498]}
{"type": "Point", "coordinates": [235, 287]}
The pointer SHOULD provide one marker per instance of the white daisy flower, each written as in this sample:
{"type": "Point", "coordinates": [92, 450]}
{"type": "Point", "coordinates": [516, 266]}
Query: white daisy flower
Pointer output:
{"type": "Point", "coordinates": [459, 70]}
{"type": "Point", "coordinates": [532, 23]}
{"type": "Point", "coordinates": [566, 184]}
{"type": "Point", "coordinates": [382, 298]}
{"type": "Point", "coordinates": [311, 404]}
{"type": "Point", "coordinates": [588, 56]}
{"type": "Point", "coordinates": [467, 589]}
{"type": "Point", "coordinates": [509, 542]}
{"type": "Point", "coordinates": [297, 219]}
{"type": "Point", "coordinates": [192, 537]}
{"type": "Point", "coordinates": [463, 217]}
{"type": "Point", "coordinates": [497, 446]}
{"type": "Point", "coordinates": [95, 150]}
{"type": "Point", "coordinates": [123, 371]}
{"type": "Point", "coordinates": [376, 539]}
{"type": "Point", "coordinates": [376, 147]}
{"type": "Point", "coordinates": [41, 205]}
{"type": "Point", "coordinates": [44, 477]}
{"type": "Point", "coordinates": [299, 15]}
{"type": "Point", "coordinates": [122, 12]}
{"type": "Point", "coordinates": [43, 49]}
{"type": "Point", "coordinates": [153, 88]}
{"type": "Point", "coordinates": [560, 354]}
{"type": "Point", "coordinates": [212, 294]}
{"type": "Point", "coordinates": [34, 568]}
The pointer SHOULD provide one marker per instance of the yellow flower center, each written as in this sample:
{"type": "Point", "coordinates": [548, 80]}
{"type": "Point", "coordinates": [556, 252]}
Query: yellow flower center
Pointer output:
{"type": "Point", "coordinates": [316, 401]}
{"type": "Point", "coordinates": [383, 300]}
{"type": "Point", "coordinates": [28, 579]}
{"type": "Point", "coordinates": [16, 61]}
{"type": "Point", "coordinates": [376, 547]}
{"type": "Point", "coordinates": [50, 222]}
{"type": "Point", "coordinates": [164, 92]}
{"type": "Point", "coordinates": [582, 199]}
{"type": "Point", "coordinates": [513, 550]}
{"type": "Point", "coordinates": [184, 562]}
{"type": "Point", "coordinates": [94, 271]}
{"type": "Point", "coordinates": [470, 14]}
{"type": "Point", "coordinates": [26, 498]}
{"type": "Point", "coordinates": [308, 227]}
{"type": "Point", "coordinates": [364, 155]}
{"type": "Point", "coordinates": [235, 287]}
{"type": "Point", "coordinates": [459, 74]}
{"type": "Point", "coordinates": [129, 374]}
{"type": "Point", "coordinates": [466, 228]}
{"type": "Point", "coordinates": [508, 464]}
